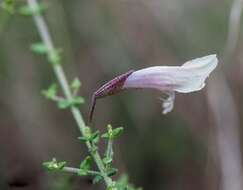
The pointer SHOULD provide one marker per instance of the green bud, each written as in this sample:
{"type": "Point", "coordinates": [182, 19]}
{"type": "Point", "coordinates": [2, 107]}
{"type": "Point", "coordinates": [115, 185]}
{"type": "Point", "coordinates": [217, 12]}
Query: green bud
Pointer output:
{"type": "Point", "coordinates": [76, 84]}
{"type": "Point", "coordinates": [54, 165]}
{"type": "Point", "coordinates": [87, 132]}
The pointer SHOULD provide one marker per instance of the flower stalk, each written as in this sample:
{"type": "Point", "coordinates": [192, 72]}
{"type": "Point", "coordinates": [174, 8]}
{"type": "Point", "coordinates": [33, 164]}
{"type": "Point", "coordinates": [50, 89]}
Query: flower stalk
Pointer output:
{"type": "Point", "coordinates": [53, 57]}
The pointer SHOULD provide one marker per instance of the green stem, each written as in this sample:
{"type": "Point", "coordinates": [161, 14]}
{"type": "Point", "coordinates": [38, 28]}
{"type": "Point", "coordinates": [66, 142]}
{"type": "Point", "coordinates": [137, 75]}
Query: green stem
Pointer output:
{"type": "Point", "coordinates": [61, 77]}
{"type": "Point", "coordinates": [77, 170]}
{"type": "Point", "coordinates": [109, 151]}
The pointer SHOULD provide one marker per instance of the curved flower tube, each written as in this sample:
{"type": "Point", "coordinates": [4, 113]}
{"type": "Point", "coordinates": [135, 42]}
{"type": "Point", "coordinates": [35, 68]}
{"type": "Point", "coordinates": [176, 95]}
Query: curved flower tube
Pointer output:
{"type": "Point", "coordinates": [187, 78]}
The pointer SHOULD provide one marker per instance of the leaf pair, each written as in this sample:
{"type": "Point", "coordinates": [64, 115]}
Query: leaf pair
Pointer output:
{"type": "Point", "coordinates": [51, 93]}
{"type": "Point", "coordinates": [112, 133]}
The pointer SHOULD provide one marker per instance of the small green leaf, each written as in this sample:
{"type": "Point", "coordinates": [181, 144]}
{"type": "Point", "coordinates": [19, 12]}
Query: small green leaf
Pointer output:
{"type": "Point", "coordinates": [63, 104]}
{"type": "Point", "coordinates": [54, 165]}
{"type": "Point", "coordinates": [89, 136]}
{"type": "Point", "coordinates": [105, 135]}
{"type": "Point", "coordinates": [61, 165]}
{"type": "Point", "coordinates": [95, 137]}
{"type": "Point", "coordinates": [25, 10]}
{"type": "Point", "coordinates": [76, 84]}
{"type": "Point", "coordinates": [94, 148]}
{"type": "Point", "coordinates": [123, 184]}
{"type": "Point", "coordinates": [78, 100]}
{"type": "Point", "coordinates": [85, 166]}
{"type": "Point", "coordinates": [107, 160]}
{"type": "Point", "coordinates": [112, 172]}
{"type": "Point", "coordinates": [82, 172]}
{"type": "Point", "coordinates": [86, 163]}
{"type": "Point", "coordinates": [39, 48]}
{"type": "Point", "coordinates": [28, 11]}
{"type": "Point", "coordinates": [83, 139]}
{"type": "Point", "coordinates": [113, 187]}
{"type": "Point", "coordinates": [117, 132]}
{"type": "Point", "coordinates": [51, 92]}
{"type": "Point", "coordinates": [97, 179]}
{"type": "Point", "coordinates": [55, 56]}
{"type": "Point", "coordinates": [8, 5]}
{"type": "Point", "coordinates": [108, 134]}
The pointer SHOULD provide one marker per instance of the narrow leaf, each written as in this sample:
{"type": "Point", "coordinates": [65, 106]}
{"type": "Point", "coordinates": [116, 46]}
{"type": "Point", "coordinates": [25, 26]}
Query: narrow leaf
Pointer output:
{"type": "Point", "coordinates": [117, 132]}
{"type": "Point", "coordinates": [97, 179]}
{"type": "Point", "coordinates": [63, 104]}
{"type": "Point", "coordinates": [39, 48]}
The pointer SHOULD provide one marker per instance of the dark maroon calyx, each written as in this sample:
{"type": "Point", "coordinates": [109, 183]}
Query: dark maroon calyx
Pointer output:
{"type": "Point", "coordinates": [112, 87]}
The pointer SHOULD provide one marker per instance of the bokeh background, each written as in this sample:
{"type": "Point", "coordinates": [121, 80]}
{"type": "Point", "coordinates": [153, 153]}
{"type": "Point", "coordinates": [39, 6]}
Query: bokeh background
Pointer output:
{"type": "Point", "coordinates": [197, 146]}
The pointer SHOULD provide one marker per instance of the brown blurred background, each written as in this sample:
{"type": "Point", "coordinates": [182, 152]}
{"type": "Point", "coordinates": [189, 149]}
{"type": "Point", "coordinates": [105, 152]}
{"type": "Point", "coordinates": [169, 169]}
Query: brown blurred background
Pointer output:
{"type": "Point", "coordinates": [197, 146]}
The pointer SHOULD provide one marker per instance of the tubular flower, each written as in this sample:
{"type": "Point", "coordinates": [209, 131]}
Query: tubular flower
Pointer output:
{"type": "Point", "coordinates": [187, 78]}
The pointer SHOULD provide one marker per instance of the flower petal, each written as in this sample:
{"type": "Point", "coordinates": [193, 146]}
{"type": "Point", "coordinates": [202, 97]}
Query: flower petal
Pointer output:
{"type": "Point", "coordinates": [189, 77]}
{"type": "Point", "coordinates": [193, 74]}
{"type": "Point", "coordinates": [168, 102]}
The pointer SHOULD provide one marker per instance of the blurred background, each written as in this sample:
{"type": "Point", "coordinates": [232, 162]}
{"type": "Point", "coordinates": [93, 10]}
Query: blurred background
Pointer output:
{"type": "Point", "coordinates": [197, 146]}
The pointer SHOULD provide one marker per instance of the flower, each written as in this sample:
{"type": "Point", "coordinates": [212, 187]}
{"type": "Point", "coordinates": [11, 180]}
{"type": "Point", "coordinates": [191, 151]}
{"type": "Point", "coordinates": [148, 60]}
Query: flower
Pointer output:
{"type": "Point", "coordinates": [187, 78]}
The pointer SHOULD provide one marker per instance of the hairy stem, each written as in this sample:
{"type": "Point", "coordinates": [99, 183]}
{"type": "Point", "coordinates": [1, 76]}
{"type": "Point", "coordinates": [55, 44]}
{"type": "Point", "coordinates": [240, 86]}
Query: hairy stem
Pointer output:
{"type": "Point", "coordinates": [61, 77]}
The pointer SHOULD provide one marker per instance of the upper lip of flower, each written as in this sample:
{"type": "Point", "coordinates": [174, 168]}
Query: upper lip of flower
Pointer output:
{"type": "Point", "coordinates": [187, 78]}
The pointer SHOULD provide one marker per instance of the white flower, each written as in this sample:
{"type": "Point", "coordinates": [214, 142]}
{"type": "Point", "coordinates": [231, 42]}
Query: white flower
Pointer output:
{"type": "Point", "coordinates": [187, 78]}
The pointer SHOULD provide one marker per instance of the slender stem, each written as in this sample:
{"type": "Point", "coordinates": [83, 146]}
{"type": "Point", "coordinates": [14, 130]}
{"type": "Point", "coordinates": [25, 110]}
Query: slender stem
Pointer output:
{"type": "Point", "coordinates": [61, 77]}
{"type": "Point", "coordinates": [234, 27]}
{"type": "Point", "coordinates": [57, 98]}
{"type": "Point", "coordinates": [109, 152]}
{"type": "Point", "coordinates": [77, 170]}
